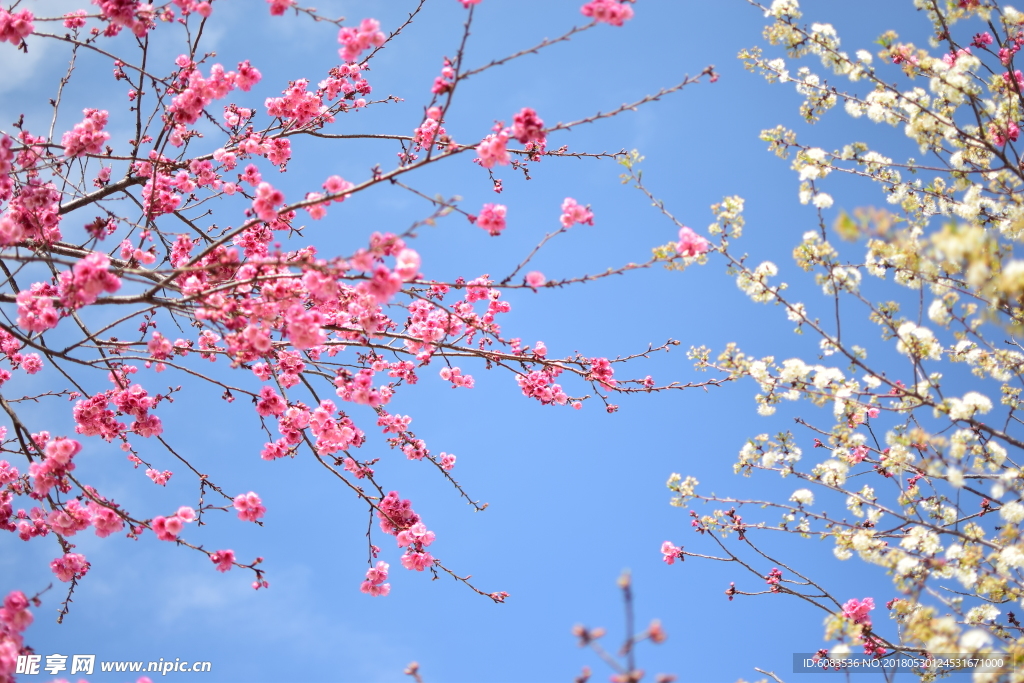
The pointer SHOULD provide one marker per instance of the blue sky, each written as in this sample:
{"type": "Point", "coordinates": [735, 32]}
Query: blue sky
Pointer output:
{"type": "Point", "coordinates": [574, 497]}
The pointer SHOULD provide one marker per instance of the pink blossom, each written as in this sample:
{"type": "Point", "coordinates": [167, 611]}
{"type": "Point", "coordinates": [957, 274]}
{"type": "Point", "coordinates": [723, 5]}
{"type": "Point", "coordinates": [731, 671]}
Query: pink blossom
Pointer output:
{"type": "Point", "coordinates": [1016, 77]}
{"type": "Point", "coordinates": [527, 127]}
{"type": "Point", "coordinates": [88, 136]}
{"type": "Point", "coordinates": [417, 535]}
{"type": "Point", "coordinates": [601, 371]}
{"type": "Point", "coordinates": [75, 19]}
{"type": "Point", "coordinates": [249, 507]}
{"type": "Point", "coordinates": [105, 521]}
{"type": "Point", "coordinates": [61, 450]}
{"type": "Point", "coordinates": [375, 578]}
{"type": "Point", "coordinates": [417, 561]}
{"type": "Point", "coordinates": [492, 218]}
{"type": "Point", "coordinates": [407, 265]}
{"type": "Point", "coordinates": [69, 520]}
{"type": "Point", "coordinates": [336, 185]}
{"type": "Point", "coordinates": [279, 7]}
{"type": "Point", "coordinates": [671, 552]}
{"type": "Point", "coordinates": [15, 27]}
{"type": "Point", "coordinates": [270, 402]}
{"type": "Point", "coordinates": [224, 559]}
{"type": "Point", "coordinates": [159, 478]}
{"type": "Point", "coordinates": [574, 213]}
{"type": "Point", "coordinates": [304, 327]}
{"type": "Point", "coordinates": [539, 384]}
{"type": "Point", "coordinates": [447, 462]}
{"type": "Point", "coordinates": [691, 244]}
{"type": "Point", "coordinates": [355, 40]}
{"type": "Point", "coordinates": [71, 566]}
{"type": "Point", "coordinates": [167, 528]}
{"type": "Point", "coordinates": [857, 610]}
{"type": "Point", "coordinates": [1003, 135]}
{"type": "Point", "coordinates": [87, 280]}
{"type": "Point", "coordinates": [468, 3]}
{"type": "Point", "coordinates": [383, 285]}
{"type": "Point", "coordinates": [298, 106]}
{"type": "Point", "coordinates": [130, 14]}
{"type": "Point", "coordinates": [160, 347]}
{"type": "Point", "coordinates": [455, 376]}
{"type": "Point", "coordinates": [611, 12]}
{"type": "Point", "coordinates": [266, 202]}
{"type": "Point", "coordinates": [395, 514]}
{"type": "Point", "coordinates": [35, 308]}
{"type": "Point", "coordinates": [949, 59]}
{"type": "Point", "coordinates": [15, 612]}
{"type": "Point", "coordinates": [535, 279]}
{"type": "Point", "coordinates": [493, 150]}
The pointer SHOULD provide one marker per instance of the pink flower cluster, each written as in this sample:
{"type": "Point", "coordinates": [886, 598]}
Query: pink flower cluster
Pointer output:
{"type": "Point", "coordinates": [574, 213]}
{"type": "Point", "coordinates": [614, 12]}
{"type": "Point", "coordinates": [446, 80]}
{"type": "Point", "coordinates": [35, 308]}
{"type": "Point", "coordinates": [671, 553]}
{"type": "Point", "coordinates": [398, 519]}
{"type": "Point", "coordinates": [455, 376]}
{"type": "Point", "coordinates": [492, 218]}
{"type": "Point", "coordinates": [88, 136]}
{"type": "Point", "coordinates": [279, 7]}
{"type": "Point", "coordinates": [131, 14]}
{"type": "Point", "coordinates": [360, 389]}
{"type": "Point", "coordinates": [15, 27]}
{"type": "Point", "coordinates": [53, 469]}
{"type": "Point", "coordinates": [601, 371]}
{"type": "Point", "coordinates": [33, 214]}
{"type": "Point", "coordinates": [94, 418]}
{"type": "Point", "coordinates": [70, 566]}
{"type": "Point", "coordinates": [527, 127]}
{"type": "Point", "coordinates": [224, 559]}
{"type": "Point", "coordinates": [949, 59]}
{"type": "Point", "coordinates": [249, 507]}
{"type": "Point", "coordinates": [857, 610]}
{"type": "Point", "coordinates": [691, 244]}
{"type": "Point", "coordinates": [195, 92]}
{"type": "Point", "coordinates": [354, 41]}
{"type": "Point", "coordinates": [15, 617]}
{"type": "Point", "coordinates": [91, 276]}
{"type": "Point", "coordinates": [266, 202]}
{"type": "Point", "coordinates": [395, 514]}
{"type": "Point", "coordinates": [375, 578]}
{"type": "Point", "coordinates": [334, 434]}
{"type": "Point", "coordinates": [540, 385]}
{"type": "Point", "coordinates": [168, 528]}
{"type": "Point", "coordinates": [346, 80]}
{"type": "Point", "coordinates": [297, 106]}
{"type": "Point", "coordinates": [1006, 134]}
{"type": "Point", "coordinates": [493, 149]}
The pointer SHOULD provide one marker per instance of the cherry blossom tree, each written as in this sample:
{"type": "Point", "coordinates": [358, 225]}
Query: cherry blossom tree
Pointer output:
{"type": "Point", "coordinates": [135, 274]}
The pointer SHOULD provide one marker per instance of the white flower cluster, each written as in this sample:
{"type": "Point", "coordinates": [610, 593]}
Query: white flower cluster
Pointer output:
{"type": "Point", "coordinates": [802, 497]}
{"type": "Point", "coordinates": [917, 341]}
{"type": "Point", "coordinates": [965, 408]}
{"type": "Point", "coordinates": [755, 284]}
{"type": "Point", "coordinates": [922, 540]}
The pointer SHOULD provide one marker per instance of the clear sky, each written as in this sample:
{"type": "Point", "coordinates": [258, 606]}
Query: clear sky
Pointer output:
{"type": "Point", "coordinates": [574, 497]}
